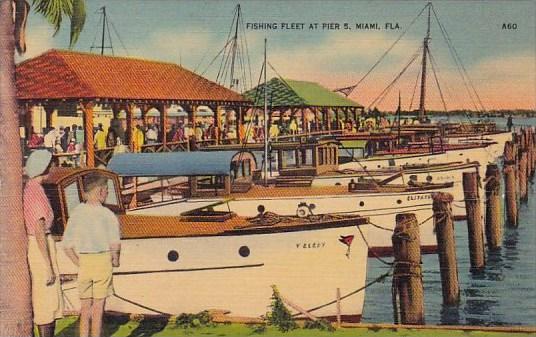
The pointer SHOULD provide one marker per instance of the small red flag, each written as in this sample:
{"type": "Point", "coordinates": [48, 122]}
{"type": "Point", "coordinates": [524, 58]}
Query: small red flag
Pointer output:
{"type": "Point", "coordinates": [347, 239]}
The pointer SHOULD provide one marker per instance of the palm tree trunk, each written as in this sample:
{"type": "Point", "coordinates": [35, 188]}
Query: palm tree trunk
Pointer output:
{"type": "Point", "coordinates": [15, 289]}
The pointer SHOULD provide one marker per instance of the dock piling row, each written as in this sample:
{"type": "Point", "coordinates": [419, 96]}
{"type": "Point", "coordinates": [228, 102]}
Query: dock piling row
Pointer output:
{"type": "Point", "coordinates": [510, 186]}
{"type": "Point", "coordinates": [474, 220]}
{"type": "Point", "coordinates": [407, 277]}
{"type": "Point", "coordinates": [493, 207]}
{"type": "Point", "coordinates": [446, 245]}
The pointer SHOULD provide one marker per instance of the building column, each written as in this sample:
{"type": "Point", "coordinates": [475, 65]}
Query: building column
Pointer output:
{"type": "Point", "coordinates": [87, 109]}
{"type": "Point", "coordinates": [239, 125]}
{"type": "Point", "coordinates": [163, 124]}
{"type": "Point", "coordinates": [129, 109]}
{"type": "Point", "coordinates": [49, 109]}
{"type": "Point", "coordinates": [218, 124]}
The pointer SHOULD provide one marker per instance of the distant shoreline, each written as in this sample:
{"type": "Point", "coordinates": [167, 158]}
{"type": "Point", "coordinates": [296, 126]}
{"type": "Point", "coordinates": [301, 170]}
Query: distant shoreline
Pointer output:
{"type": "Point", "coordinates": [476, 114]}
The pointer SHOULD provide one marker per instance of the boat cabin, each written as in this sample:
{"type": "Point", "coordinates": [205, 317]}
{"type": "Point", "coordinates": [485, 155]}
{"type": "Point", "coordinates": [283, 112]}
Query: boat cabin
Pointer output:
{"type": "Point", "coordinates": [150, 177]}
{"type": "Point", "coordinates": [64, 188]}
{"type": "Point", "coordinates": [307, 159]}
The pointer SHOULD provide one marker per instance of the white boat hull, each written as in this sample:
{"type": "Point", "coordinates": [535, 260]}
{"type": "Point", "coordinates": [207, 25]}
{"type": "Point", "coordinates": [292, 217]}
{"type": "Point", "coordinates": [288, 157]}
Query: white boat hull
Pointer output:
{"type": "Point", "coordinates": [307, 266]}
{"type": "Point", "coordinates": [454, 175]}
{"type": "Point", "coordinates": [381, 208]}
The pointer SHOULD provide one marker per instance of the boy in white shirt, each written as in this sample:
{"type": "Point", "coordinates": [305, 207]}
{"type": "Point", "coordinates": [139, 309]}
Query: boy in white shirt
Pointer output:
{"type": "Point", "coordinates": [91, 241]}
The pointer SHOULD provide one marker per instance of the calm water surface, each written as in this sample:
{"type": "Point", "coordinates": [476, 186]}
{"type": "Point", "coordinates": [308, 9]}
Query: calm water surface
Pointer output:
{"type": "Point", "coordinates": [503, 294]}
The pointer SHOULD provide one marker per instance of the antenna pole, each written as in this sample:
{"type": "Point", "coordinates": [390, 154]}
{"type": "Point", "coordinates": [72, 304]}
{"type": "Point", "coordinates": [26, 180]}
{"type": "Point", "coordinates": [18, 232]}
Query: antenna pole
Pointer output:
{"type": "Point", "coordinates": [266, 135]}
{"type": "Point", "coordinates": [422, 110]}
{"type": "Point", "coordinates": [399, 112]}
{"type": "Point", "coordinates": [235, 41]}
{"type": "Point", "coordinates": [103, 28]}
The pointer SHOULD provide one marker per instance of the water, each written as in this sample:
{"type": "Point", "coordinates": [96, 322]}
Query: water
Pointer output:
{"type": "Point", "coordinates": [503, 294]}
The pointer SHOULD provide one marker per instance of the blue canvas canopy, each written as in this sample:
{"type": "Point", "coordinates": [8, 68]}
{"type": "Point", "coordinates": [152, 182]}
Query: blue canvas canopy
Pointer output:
{"type": "Point", "coordinates": [196, 163]}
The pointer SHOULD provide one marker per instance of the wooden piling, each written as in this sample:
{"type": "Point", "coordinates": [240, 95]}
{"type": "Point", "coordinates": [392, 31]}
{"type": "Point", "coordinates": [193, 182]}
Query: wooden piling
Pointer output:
{"type": "Point", "coordinates": [531, 154]}
{"type": "Point", "coordinates": [474, 220]}
{"type": "Point", "coordinates": [446, 245]}
{"type": "Point", "coordinates": [338, 307]}
{"type": "Point", "coordinates": [493, 207]}
{"type": "Point", "coordinates": [407, 278]}
{"type": "Point", "coordinates": [510, 189]}
{"type": "Point", "coordinates": [523, 197]}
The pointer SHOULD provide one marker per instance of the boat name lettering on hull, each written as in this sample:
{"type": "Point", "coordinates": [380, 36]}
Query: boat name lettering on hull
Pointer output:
{"type": "Point", "coordinates": [310, 245]}
{"type": "Point", "coordinates": [419, 197]}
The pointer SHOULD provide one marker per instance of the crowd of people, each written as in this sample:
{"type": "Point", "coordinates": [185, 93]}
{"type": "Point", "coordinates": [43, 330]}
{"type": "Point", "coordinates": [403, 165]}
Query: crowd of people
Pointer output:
{"type": "Point", "coordinates": [70, 140]}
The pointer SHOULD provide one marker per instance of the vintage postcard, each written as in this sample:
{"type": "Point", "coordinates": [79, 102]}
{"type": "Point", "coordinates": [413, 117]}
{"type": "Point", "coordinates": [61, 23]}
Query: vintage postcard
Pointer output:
{"type": "Point", "coordinates": [267, 167]}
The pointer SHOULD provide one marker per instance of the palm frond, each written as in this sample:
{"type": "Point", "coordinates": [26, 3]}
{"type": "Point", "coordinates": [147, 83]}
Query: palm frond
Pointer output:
{"type": "Point", "coordinates": [55, 10]}
{"type": "Point", "coordinates": [78, 19]}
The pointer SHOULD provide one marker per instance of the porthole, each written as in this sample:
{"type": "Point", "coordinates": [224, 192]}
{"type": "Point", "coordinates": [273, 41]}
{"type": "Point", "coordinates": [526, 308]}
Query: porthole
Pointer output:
{"type": "Point", "coordinates": [460, 154]}
{"type": "Point", "coordinates": [361, 203]}
{"type": "Point", "coordinates": [244, 251]}
{"type": "Point", "coordinates": [365, 167]}
{"type": "Point", "coordinates": [379, 166]}
{"type": "Point", "coordinates": [337, 184]}
{"type": "Point", "coordinates": [173, 255]}
{"type": "Point", "coordinates": [429, 178]}
{"type": "Point", "coordinates": [399, 201]}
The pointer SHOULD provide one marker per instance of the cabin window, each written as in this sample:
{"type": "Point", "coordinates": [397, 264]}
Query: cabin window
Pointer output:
{"type": "Point", "coordinates": [308, 157]}
{"type": "Point", "coordinates": [72, 196]}
{"type": "Point", "coordinates": [290, 158]}
{"type": "Point", "coordinates": [111, 198]}
{"type": "Point", "coordinates": [246, 168]}
{"type": "Point", "coordinates": [210, 182]}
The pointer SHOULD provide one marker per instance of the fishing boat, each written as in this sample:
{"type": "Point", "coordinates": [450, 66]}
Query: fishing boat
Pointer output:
{"type": "Point", "coordinates": [218, 260]}
{"type": "Point", "coordinates": [225, 181]}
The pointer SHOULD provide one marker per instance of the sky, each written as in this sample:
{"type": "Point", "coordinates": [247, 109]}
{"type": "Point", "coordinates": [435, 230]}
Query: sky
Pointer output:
{"type": "Point", "coordinates": [495, 41]}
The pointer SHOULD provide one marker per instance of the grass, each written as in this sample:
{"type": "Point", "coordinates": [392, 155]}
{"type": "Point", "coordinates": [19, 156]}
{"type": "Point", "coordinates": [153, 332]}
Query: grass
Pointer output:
{"type": "Point", "coordinates": [122, 326]}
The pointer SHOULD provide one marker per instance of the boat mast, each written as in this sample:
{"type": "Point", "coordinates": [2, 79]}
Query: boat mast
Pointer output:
{"type": "Point", "coordinates": [103, 8]}
{"type": "Point", "coordinates": [399, 112]}
{"type": "Point", "coordinates": [235, 41]}
{"type": "Point", "coordinates": [266, 135]}
{"type": "Point", "coordinates": [422, 110]}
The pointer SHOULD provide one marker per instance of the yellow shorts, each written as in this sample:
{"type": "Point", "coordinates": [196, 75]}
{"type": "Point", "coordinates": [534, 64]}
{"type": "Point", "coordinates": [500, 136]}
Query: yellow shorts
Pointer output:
{"type": "Point", "coordinates": [47, 301]}
{"type": "Point", "coordinates": [95, 275]}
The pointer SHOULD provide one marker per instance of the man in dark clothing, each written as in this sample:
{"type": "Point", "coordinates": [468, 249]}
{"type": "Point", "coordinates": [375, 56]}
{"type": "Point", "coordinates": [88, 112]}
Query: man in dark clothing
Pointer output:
{"type": "Point", "coordinates": [510, 123]}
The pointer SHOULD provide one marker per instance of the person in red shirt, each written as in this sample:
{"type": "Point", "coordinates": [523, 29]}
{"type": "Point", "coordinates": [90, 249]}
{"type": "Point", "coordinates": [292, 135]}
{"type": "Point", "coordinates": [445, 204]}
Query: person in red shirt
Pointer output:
{"type": "Point", "coordinates": [47, 301]}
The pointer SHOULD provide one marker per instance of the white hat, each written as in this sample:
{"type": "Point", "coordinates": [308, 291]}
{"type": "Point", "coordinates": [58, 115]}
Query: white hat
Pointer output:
{"type": "Point", "coordinates": [37, 162]}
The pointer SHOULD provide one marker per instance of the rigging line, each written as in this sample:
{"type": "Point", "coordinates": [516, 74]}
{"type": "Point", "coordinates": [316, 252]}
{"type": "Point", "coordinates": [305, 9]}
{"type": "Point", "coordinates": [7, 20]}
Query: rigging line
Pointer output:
{"type": "Point", "coordinates": [97, 33]}
{"type": "Point", "coordinates": [225, 66]}
{"type": "Point", "coordinates": [242, 69]}
{"type": "Point", "coordinates": [388, 88]}
{"type": "Point", "coordinates": [110, 35]}
{"type": "Point", "coordinates": [118, 37]}
{"type": "Point", "coordinates": [376, 280]}
{"type": "Point", "coordinates": [243, 35]}
{"type": "Point", "coordinates": [229, 39]}
{"type": "Point", "coordinates": [352, 88]}
{"type": "Point", "coordinates": [282, 79]}
{"type": "Point", "coordinates": [432, 62]}
{"type": "Point", "coordinates": [215, 58]}
{"type": "Point", "coordinates": [457, 61]}
{"type": "Point", "coordinates": [414, 89]}
{"type": "Point", "coordinates": [458, 66]}
{"type": "Point", "coordinates": [370, 250]}
{"type": "Point", "coordinates": [464, 70]}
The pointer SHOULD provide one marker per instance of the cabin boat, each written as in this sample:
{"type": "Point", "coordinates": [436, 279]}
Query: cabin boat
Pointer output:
{"type": "Point", "coordinates": [317, 163]}
{"type": "Point", "coordinates": [209, 259]}
{"type": "Point", "coordinates": [224, 179]}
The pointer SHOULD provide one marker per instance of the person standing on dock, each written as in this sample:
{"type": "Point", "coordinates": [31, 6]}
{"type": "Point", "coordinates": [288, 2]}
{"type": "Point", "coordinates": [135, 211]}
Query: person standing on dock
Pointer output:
{"type": "Point", "coordinates": [92, 242]}
{"type": "Point", "coordinates": [47, 301]}
{"type": "Point", "coordinates": [510, 123]}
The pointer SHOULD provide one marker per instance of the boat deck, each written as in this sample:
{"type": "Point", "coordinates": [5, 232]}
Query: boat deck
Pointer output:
{"type": "Point", "coordinates": [145, 226]}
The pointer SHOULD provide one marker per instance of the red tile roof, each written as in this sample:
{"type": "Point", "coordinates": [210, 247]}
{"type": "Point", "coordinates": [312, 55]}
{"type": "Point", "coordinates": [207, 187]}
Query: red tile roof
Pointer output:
{"type": "Point", "coordinates": [59, 74]}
